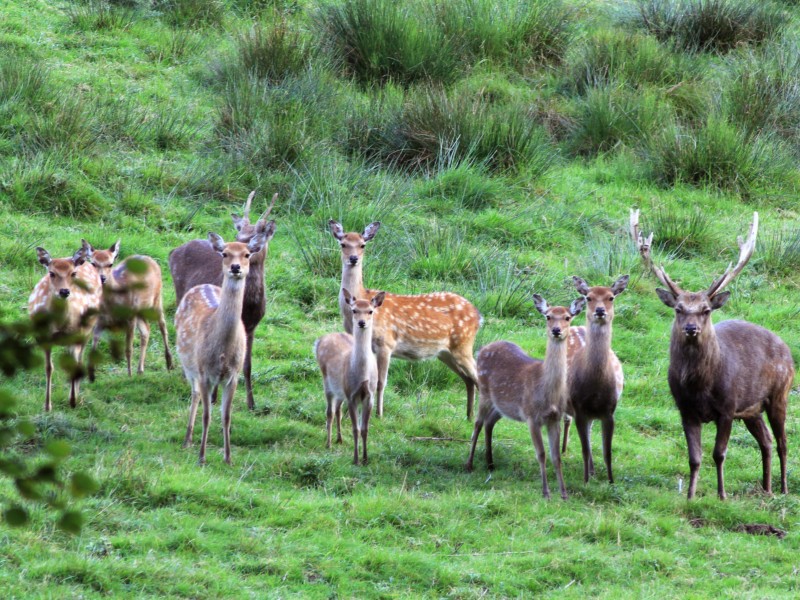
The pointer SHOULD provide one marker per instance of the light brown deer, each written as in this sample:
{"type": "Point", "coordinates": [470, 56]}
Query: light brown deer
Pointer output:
{"type": "Point", "coordinates": [595, 377]}
{"type": "Point", "coordinates": [732, 370]}
{"type": "Point", "coordinates": [441, 325]}
{"type": "Point", "coordinates": [196, 262]}
{"type": "Point", "coordinates": [514, 385]}
{"type": "Point", "coordinates": [71, 285]}
{"type": "Point", "coordinates": [211, 336]}
{"type": "Point", "coordinates": [127, 294]}
{"type": "Point", "coordinates": [350, 371]}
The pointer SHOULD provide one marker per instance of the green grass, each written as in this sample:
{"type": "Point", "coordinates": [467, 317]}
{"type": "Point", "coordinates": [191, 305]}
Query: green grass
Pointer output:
{"type": "Point", "coordinates": [156, 130]}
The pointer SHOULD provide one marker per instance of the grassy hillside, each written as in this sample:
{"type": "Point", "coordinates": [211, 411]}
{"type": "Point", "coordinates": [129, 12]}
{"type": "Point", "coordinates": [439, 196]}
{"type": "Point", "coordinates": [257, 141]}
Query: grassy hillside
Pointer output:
{"type": "Point", "coordinates": [501, 145]}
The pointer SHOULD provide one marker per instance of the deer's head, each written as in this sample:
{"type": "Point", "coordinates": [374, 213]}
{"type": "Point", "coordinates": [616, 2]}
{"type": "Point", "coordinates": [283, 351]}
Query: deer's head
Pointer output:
{"type": "Point", "coordinates": [353, 243]}
{"type": "Point", "coordinates": [600, 299]}
{"type": "Point", "coordinates": [236, 255]}
{"type": "Point", "coordinates": [363, 310]}
{"type": "Point", "coordinates": [102, 260]}
{"type": "Point", "coordinates": [62, 273]}
{"type": "Point", "coordinates": [558, 317]}
{"type": "Point", "coordinates": [246, 231]}
{"type": "Point", "coordinates": [693, 309]}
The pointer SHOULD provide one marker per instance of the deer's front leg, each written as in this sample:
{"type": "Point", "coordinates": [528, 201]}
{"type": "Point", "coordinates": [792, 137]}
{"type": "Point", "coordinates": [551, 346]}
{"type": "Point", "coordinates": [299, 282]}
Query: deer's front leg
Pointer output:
{"type": "Point", "coordinates": [720, 450]}
{"type": "Point", "coordinates": [383, 356]}
{"type": "Point", "coordinates": [692, 431]}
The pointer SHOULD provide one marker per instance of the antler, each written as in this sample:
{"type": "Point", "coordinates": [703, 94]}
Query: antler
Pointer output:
{"type": "Point", "coordinates": [643, 244]}
{"type": "Point", "coordinates": [665, 279]}
{"type": "Point", "coordinates": [246, 216]}
{"type": "Point", "coordinates": [269, 210]}
{"type": "Point", "coordinates": [746, 249]}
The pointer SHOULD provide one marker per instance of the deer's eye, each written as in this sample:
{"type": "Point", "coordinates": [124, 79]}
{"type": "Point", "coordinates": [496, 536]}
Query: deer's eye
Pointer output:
{"type": "Point", "coordinates": [52, 275]}
{"type": "Point", "coordinates": [678, 310]}
{"type": "Point", "coordinates": [343, 245]}
{"type": "Point", "coordinates": [247, 255]}
{"type": "Point", "coordinates": [706, 311]}
{"type": "Point", "coordinates": [363, 245]}
{"type": "Point", "coordinates": [224, 255]}
{"type": "Point", "coordinates": [372, 311]}
{"type": "Point", "coordinates": [568, 318]}
{"type": "Point", "coordinates": [611, 299]}
{"type": "Point", "coordinates": [74, 273]}
{"type": "Point", "coordinates": [548, 317]}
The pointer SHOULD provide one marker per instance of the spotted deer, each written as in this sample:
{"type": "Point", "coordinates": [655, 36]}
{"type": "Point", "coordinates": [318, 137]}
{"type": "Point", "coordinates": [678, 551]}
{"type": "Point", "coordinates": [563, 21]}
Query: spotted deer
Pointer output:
{"type": "Point", "coordinates": [350, 371]}
{"type": "Point", "coordinates": [514, 385]}
{"type": "Point", "coordinates": [732, 370]}
{"type": "Point", "coordinates": [212, 338]}
{"type": "Point", "coordinates": [595, 376]}
{"type": "Point", "coordinates": [127, 294]}
{"type": "Point", "coordinates": [441, 325]}
{"type": "Point", "coordinates": [72, 285]}
{"type": "Point", "coordinates": [196, 262]}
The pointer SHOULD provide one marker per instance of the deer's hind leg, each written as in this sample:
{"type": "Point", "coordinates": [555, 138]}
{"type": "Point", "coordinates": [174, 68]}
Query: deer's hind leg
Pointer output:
{"type": "Point", "coordinates": [755, 425]}
{"type": "Point", "coordinates": [463, 365]}
{"type": "Point", "coordinates": [776, 413]}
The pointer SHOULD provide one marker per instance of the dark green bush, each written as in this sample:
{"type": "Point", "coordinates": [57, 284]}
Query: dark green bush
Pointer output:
{"type": "Point", "coordinates": [710, 25]}
{"type": "Point", "coordinates": [515, 32]}
{"type": "Point", "coordinates": [102, 14]}
{"type": "Point", "coordinates": [191, 13]}
{"type": "Point", "coordinates": [377, 41]}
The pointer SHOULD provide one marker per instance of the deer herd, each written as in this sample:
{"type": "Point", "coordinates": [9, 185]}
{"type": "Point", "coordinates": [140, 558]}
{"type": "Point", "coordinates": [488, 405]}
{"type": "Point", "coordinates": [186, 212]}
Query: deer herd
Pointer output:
{"type": "Point", "coordinates": [733, 370]}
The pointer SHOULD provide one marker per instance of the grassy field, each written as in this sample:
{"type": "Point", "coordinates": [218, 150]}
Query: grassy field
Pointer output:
{"type": "Point", "coordinates": [501, 145]}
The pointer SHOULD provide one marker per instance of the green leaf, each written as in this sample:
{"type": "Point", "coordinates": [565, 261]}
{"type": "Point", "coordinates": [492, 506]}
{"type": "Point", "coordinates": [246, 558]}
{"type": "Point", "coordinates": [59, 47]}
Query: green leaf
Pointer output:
{"type": "Point", "coordinates": [71, 522]}
{"type": "Point", "coordinates": [136, 266]}
{"type": "Point", "coordinates": [81, 485]}
{"type": "Point", "coordinates": [57, 448]}
{"type": "Point", "coordinates": [26, 429]}
{"type": "Point", "coordinates": [16, 516]}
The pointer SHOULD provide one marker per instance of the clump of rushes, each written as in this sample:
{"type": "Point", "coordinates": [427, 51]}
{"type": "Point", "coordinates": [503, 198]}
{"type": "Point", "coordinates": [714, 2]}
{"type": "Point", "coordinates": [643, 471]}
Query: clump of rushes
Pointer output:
{"type": "Point", "coordinates": [378, 41]}
{"type": "Point", "coordinates": [191, 13]}
{"type": "Point", "coordinates": [270, 52]}
{"type": "Point", "coordinates": [779, 250]}
{"type": "Point", "coordinates": [710, 25]}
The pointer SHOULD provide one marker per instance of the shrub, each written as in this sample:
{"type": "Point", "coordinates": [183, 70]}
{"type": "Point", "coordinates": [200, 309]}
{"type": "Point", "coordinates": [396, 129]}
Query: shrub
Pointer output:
{"type": "Point", "coordinates": [50, 185]}
{"type": "Point", "coordinates": [101, 14]}
{"type": "Point", "coordinates": [65, 123]}
{"type": "Point", "coordinates": [191, 13]}
{"type": "Point", "coordinates": [717, 155]}
{"type": "Point", "coordinates": [710, 25]}
{"type": "Point", "coordinates": [434, 127]}
{"type": "Point", "coordinates": [377, 41]}
{"type": "Point", "coordinates": [613, 115]}
{"type": "Point", "coordinates": [465, 185]}
{"type": "Point", "coordinates": [443, 253]}
{"type": "Point", "coordinates": [780, 250]}
{"type": "Point", "coordinates": [678, 231]}
{"type": "Point", "coordinates": [612, 56]}
{"type": "Point", "coordinates": [22, 79]}
{"type": "Point", "coordinates": [514, 32]}
{"type": "Point", "coordinates": [763, 91]}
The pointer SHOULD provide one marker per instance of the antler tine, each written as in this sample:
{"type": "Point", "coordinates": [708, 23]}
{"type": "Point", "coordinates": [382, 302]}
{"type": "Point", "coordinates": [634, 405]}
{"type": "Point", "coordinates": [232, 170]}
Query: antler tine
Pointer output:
{"type": "Point", "coordinates": [642, 244]}
{"type": "Point", "coordinates": [746, 249]}
{"type": "Point", "coordinates": [247, 205]}
{"type": "Point", "coordinates": [269, 210]}
{"type": "Point", "coordinates": [665, 279]}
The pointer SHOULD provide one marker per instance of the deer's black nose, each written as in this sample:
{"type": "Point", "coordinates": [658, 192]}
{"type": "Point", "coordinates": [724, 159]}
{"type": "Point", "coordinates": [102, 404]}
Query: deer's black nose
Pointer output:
{"type": "Point", "coordinates": [236, 268]}
{"type": "Point", "coordinates": [600, 311]}
{"type": "Point", "coordinates": [556, 331]}
{"type": "Point", "coordinates": [353, 260]}
{"type": "Point", "coordinates": [64, 293]}
{"type": "Point", "coordinates": [102, 278]}
{"type": "Point", "coordinates": [362, 324]}
{"type": "Point", "coordinates": [691, 329]}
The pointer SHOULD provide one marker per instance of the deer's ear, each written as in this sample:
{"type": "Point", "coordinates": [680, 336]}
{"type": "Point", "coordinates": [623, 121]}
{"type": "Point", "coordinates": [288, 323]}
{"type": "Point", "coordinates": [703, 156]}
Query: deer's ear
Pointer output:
{"type": "Point", "coordinates": [238, 221]}
{"type": "Point", "coordinates": [267, 228]}
{"type": "Point", "coordinates": [370, 230]}
{"type": "Point", "coordinates": [667, 297]}
{"type": "Point", "coordinates": [377, 300]}
{"type": "Point", "coordinates": [577, 306]}
{"type": "Point", "coordinates": [115, 249]}
{"type": "Point", "coordinates": [43, 256]}
{"type": "Point", "coordinates": [620, 285]}
{"type": "Point", "coordinates": [257, 243]}
{"type": "Point", "coordinates": [580, 285]}
{"type": "Point", "coordinates": [348, 298]}
{"type": "Point", "coordinates": [719, 300]}
{"type": "Point", "coordinates": [89, 248]}
{"type": "Point", "coordinates": [336, 229]}
{"type": "Point", "coordinates": [540, 304]}
{"type": "Point", "coordinates": [80, 256]}
{"type": "Point", "coordinates": [216, 242]}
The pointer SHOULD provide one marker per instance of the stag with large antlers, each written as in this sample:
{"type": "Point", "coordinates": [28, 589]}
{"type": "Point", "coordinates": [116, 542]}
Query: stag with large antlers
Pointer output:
{"type": "Point", "coordinates": [196, 262]}
{"type": "Point", "coordinates": [732, 370]}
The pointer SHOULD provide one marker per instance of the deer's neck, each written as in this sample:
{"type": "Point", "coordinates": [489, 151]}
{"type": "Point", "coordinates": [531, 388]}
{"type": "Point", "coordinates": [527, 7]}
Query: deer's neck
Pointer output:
{"type": "Point", "coordinates": [554, 381]}
{"type": "Point", "coordinates": [695, 362]}
{"type": "Point", "coordinates": [598, 347]}
{"type": "Point", "coordinates": [353, 279]}
{"type": "Point", "coordinates": [228, 315]}
{"type": "Point", "coordinates": [362, 357]}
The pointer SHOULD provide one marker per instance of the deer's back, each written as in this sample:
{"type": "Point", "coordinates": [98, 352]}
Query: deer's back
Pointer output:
{"type": "Point", "coordinates": [333, 357]}
{"type": "Point", "coordinates": [507, 378]}
{"type": "Point", "coordinates": [194, 263]}
{"type": "Point", "coordinates": [139, 290]}
{"type": "Point", "coordinates": [423, 325]}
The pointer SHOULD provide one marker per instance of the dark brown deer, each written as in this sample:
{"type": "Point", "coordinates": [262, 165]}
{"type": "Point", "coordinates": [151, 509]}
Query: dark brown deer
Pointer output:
{"type": "Point", "coordinates": [595, 377]}
{"type": "Point", "coordinates": [441, 325]}
{"type": "Point", "coordinates": [514, 385]}
{"type": "Point", "coordinates": [733, 370]}
{"type": "Point", "coordinates": [196, 262]}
